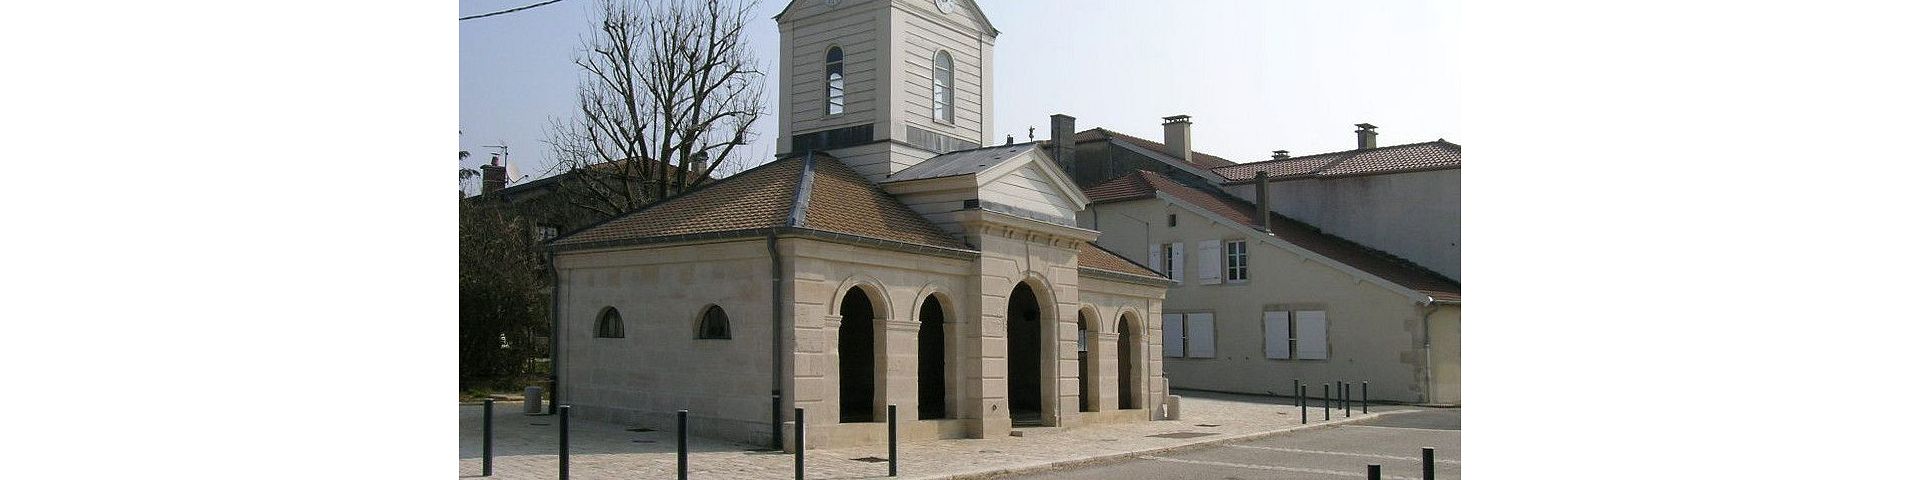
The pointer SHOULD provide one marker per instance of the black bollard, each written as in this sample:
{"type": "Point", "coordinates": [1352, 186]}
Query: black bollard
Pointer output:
{"type": "Point", "coordinates": [1363, 397]}
{"type": "Point", "coordinates": [486, 440]}
{"type": "Point", "coordinates": [1336, 393]}
{"type": "Point", "coordinates": [893, 441]}
{"type": "Point", "coordinates": [1300, 392]}
{"type": "Point", "coordinates": [563, 441]}
{"type": "Point", "coordinates": [799, 443]}
{"type": "Point", "coordinates": [1326, 402]}
{"type": "Point", "coordinates": [1426, 464]}
{"type": "Point", "coordinates": [1346, 400]}
{"type": "Point", "coordinates": [1373, 472]}
{"type": "Point", "coordinates": [682, 441]}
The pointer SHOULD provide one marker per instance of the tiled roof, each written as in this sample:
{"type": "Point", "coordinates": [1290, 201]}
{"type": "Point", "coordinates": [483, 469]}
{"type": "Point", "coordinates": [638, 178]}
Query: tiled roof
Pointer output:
{"type": "Point", "coordinates": [1097, 257]}
{"type": "Point", "coordinates": [1201, 160]}
{"type": "Point", "coordinates": [1143, 184]}
{"type": "Point", "coordinates": [839, 200]}
{"type": "Point", "coordinates": [962, 162]}
{"type": "Point", "coordinates": [1414, 157]}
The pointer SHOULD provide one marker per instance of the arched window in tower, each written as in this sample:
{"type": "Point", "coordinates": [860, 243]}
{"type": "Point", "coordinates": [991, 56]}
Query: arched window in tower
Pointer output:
{"type": "Point", "coordinates": [943, 87]}
{"type": "Point", "coordinates": [836, 83]}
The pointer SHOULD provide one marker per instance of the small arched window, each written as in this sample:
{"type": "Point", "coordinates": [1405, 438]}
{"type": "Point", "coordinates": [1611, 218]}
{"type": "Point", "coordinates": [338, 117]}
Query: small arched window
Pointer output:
{"type": "Point", "coordinates": [943, 86]}
{"type": "Point", "coordinates": [836, 83]}
{"type": "Point", "coordinates": [609, 325]}
{"type": "Point", "coordinates": [713, 324]}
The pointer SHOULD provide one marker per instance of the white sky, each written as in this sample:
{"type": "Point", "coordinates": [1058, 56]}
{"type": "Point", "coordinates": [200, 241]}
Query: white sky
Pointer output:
{"type": "Point", "coordinates": [1255, 75]}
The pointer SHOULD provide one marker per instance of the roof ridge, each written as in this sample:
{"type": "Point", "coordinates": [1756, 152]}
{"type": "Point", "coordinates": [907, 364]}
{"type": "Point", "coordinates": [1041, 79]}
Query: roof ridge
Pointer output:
{"type": "Point", "coordinates": [1304, 157]}
{"type": "Point", "coordinates": [802, 194]}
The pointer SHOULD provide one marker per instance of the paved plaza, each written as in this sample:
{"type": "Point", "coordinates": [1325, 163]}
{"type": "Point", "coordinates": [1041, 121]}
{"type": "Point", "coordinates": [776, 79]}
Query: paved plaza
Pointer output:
{"type": "Point", "coordinates": [525, 447]}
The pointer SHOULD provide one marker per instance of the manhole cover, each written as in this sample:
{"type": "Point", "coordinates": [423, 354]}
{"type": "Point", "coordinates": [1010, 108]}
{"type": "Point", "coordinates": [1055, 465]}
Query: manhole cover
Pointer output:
{"type": "Point", "coordinates": [870, 459]}
{"type": "Point", "coordinates": [1206, 425]}
{"type": "Point", "coordinates": [639, 429]}
{"type": "Point", "coordinates": [1182, 435]}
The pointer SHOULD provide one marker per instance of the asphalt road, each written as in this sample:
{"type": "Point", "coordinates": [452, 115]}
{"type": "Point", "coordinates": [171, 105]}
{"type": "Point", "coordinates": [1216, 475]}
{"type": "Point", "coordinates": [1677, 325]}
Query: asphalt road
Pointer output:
{"type": "Point", "coordinates": [1342, 451]}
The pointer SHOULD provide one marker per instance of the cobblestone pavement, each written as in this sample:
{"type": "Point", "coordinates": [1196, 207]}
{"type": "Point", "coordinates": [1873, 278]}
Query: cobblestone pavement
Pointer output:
{"type": "Point", "coordinates": [525, 447]}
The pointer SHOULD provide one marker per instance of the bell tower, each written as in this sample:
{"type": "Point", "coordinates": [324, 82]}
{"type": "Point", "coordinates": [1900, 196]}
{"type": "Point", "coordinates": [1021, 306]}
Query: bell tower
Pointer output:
{"type": "Point", "coordinates": [884, 84]}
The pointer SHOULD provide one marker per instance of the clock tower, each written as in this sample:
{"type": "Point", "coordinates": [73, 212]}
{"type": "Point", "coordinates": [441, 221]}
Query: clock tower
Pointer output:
{"type": "Point", "coordinates": [884, 84]}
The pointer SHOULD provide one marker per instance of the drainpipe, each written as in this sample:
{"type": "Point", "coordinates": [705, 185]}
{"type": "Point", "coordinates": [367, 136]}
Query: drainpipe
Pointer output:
{"type": "Point", "coordinates": [553, 335]}
{"type": "Point", "coordinates": [773, 252]}
{"type": "Point", "coordinates": [1426, 347]}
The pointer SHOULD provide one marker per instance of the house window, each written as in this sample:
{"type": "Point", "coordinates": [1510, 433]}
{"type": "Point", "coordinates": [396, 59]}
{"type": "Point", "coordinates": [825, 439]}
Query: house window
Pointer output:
{"type": "Point", "coordinates": [713, 324]}
{"type": "Point", "coordinates": [1279, 335]}
{"type": "Point", "coordinates": [1237, 260]}
{"type": "Point", "coordinates": [609, 325]}
{"type": "Point", "coordinates": [836, 83]}
{"type": "Point", "coordinates": [545, 232]}
{"type": "Point", "coordinates": [943, 87]}
{"type": "Point", "coordinates": [1188, 335]}
{"type": "Point", "coordinates": [1173, 220]}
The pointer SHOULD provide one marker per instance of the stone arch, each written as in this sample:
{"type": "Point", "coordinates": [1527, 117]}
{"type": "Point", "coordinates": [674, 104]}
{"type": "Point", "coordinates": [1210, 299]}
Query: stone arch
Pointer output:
{"type": "Point", "coordinates": [1131, 345]}
{"type": "Point", "coordinates": [937, 351]}
{"type": "Point", "coordinates": [877, 292]}
{"type": "Point", "coordinates": [1032, 327]}
{"type": "Point", "coordinates": [712, 323]}
{"type": "Point", "coordinates": [860, 307]}
{"type": "Point", "coordinates": [1088, 326]}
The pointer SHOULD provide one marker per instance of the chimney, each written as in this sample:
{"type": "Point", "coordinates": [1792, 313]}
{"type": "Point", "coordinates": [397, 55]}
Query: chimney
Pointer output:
{"type": "Point", "coordinates": [696, 166]}
{"type": "Point", "coordinates": [1260, 201]}
{"type": "Point", "coordinates": [1280, 155]}
{"type": "Point", "coordinates": [1063, 143]}
{"type": "Point", "coordinates": [1366, 134]}
{"type": "Point", "coordinates": [1179, 136]}
{"type": "Point", "coordinates": [493, 177]}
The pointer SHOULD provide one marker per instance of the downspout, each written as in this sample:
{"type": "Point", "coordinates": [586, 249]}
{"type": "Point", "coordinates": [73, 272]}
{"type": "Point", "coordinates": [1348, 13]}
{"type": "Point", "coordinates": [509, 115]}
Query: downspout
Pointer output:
{"type": "Point", "coordinates": [773, 253]}
{"type": "Point", "coordinates": [1426, 348]}
{"type": "Point", "coordinates": [553, 335]}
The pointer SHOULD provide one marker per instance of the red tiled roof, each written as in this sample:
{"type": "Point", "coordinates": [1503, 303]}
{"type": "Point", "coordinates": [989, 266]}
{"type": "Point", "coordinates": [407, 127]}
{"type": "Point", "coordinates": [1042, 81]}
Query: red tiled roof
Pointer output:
{"type": "Point", "coordinates": [1097, 257]}
{"type": "Point", "coordinates": [1201, 160]}
{"type": "Point", "coordinates": [840, 201]}
{"type": "Point", "coordinates": [1143, 184]}
{"type": "Point", "coordinates": [1413, 157]}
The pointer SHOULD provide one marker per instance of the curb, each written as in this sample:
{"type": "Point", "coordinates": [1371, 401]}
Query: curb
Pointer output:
{"type": "Point", "coordinates": [986, 474]}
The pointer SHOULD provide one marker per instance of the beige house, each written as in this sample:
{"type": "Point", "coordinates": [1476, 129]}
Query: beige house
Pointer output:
{"type": "Point", "coordinates": [1262, 300]}
{"type": "Point", "coordinates": [885, 259]}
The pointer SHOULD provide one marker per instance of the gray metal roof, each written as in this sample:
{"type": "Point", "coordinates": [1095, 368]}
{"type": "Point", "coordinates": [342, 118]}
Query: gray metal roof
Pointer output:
{"type": "Point", "coordinates": [963, 162]}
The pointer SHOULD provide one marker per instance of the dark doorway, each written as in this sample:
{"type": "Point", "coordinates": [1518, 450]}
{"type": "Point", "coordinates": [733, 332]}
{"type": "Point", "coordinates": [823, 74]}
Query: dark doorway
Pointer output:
{"type": "Point", "coordinates": [856, 358]}
{"type": "Point", "coordinates": [1086, 371]}
{"type": "Point", "coordinates": [1129, 337]}
{"type": "Point", "coordinates": [1023, 357]}
{"type": "Point", "coordinates": [933, 365]}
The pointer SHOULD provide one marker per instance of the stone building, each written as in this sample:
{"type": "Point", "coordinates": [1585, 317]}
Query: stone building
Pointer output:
{"type": "Point", "coordinates": [886, 258]}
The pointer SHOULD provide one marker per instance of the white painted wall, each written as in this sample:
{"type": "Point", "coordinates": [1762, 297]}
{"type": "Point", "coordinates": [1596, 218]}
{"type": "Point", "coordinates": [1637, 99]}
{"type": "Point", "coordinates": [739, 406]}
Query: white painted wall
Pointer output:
{"type": "Point", "coordinates": [1415, 216]}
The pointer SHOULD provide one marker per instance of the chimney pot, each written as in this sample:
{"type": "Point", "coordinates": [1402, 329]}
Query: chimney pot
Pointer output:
{"type": "Point", "coordinates": [1366, 135]}
{"type": "Point", "coordinates": [1280, 155]}
{"type": "Point", "coordinates": [1179, 136]}
{"type": "Point", "coordinates": [493, 177]}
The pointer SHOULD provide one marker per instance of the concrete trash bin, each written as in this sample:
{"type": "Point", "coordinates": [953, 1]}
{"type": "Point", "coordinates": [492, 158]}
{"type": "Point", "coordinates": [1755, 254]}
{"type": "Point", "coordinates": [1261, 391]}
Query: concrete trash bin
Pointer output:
{"type": "Point", "coordinates": [533, 402]}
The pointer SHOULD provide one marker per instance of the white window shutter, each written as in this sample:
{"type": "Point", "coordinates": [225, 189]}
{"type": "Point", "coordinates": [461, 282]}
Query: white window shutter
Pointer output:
{"type": "Point", "coordinates": [1172, 335]}
{"type": "Point", "coordinates": [1277, 334]}
{"type": "Point", "coordinates": [1179, 262]}
{"type": "Point", "coordinates": [1199, 335]}
{"type": "Point", "coordinates": [1153, 258]}
{"type": "Point", "coordinates": [1209, 262]}
{"type": "Point", "coordinates": [1313, 334]}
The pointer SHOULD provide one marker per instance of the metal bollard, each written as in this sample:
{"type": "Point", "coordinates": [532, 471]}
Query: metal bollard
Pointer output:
{"type": "Point", "coordinates": [1373, 472]}
{"type": "Point", "coordinates": [1300, 392]}
{"type": "Point", "coordinates": [563, 441]}
{"type": "Point", "coordinates": [1336, 391]}
{"type": "Point", "coordinates": [486, 440]}
{"type": "Point", "coordinates": [1326, 402]}
{"type": "Point", "coordinates": [893, 441]}
{"type": "Point", "coordinates": [1346, 400]}
{"type": "Point", "coordinates": [682, 442]}
{"type": "Point", "coordinates": [1363, 397]}
{"type": "Point", "coordinates": [1426, 463]}
{"type": "Point", "coordinates": [799, 443]}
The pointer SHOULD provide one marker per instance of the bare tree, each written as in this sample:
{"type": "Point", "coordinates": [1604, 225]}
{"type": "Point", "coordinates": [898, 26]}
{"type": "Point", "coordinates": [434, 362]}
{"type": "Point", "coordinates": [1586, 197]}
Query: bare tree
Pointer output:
{"type": "Point", "coordinates": [666, 88]}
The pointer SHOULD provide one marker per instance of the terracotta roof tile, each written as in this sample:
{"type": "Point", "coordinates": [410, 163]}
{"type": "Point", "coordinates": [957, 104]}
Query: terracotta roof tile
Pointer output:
{"type": "Point", "coordinates": [841, 201]}
{"type": "Point", "coordinates": [1414, 157]}
{"type": "Point", "coordinates": [1099, 258]}
{"type": "Point", "coordinates": [1380, 264]}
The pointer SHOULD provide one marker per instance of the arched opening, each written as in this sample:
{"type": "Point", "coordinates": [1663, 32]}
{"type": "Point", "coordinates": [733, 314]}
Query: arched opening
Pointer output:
{"type": "Point", "coordinates": [856, 357]}
{"type": "Point", "coordinates": [1023, 357]}
{"type": "Point", "coordinates": [1086, 365]}
{"type": "Point", "coordinates": [943, 86]}
{"type": "Point", "coordinates": [933, 355]}
{"type": "Point", "coordinates": [713, 324]}
{"type": "Point", "coordinates": [609, 324]}
{"type": "Point", "coordinates": [836, 83]}
{"type": "Point", "coordinates": [1130, 348]}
